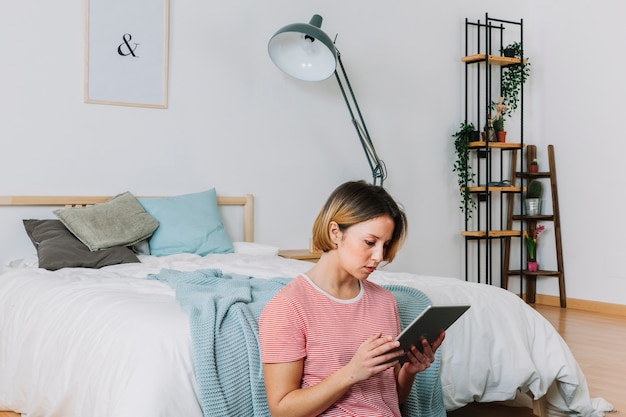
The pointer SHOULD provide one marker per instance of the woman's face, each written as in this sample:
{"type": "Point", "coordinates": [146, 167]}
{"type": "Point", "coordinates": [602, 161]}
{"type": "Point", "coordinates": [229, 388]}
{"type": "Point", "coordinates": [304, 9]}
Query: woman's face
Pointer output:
{"type": "Point", "coordinates": [362, 246]}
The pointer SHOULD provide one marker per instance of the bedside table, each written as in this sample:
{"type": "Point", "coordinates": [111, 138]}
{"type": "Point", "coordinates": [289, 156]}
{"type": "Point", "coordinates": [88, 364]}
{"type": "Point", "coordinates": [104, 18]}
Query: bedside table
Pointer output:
{"type": "Point", "coordinates": [301, 254]}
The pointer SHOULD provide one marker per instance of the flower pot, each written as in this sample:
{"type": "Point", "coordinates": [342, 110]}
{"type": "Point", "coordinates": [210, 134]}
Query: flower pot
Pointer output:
{"type": "Point", "coordinates": [509, 52]}
{"type": "Point", "coordinates": [533, 206]}
{"type": "Point", "coordinates": [473, 137]}
{"type": "Point", "coordinates": [534, 168]}
{"type": "Point", "coordinates": [532, 266]}
{"type": "Point", "coordinates": [490, 134]}
{"type": "Point", "coordinates": [501, 134]}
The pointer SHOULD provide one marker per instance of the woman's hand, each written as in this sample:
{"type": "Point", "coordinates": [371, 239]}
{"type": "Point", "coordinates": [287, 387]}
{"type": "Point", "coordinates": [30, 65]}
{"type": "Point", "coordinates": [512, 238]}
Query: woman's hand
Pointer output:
{"type": "Point", "coordinates": [417, 362]}
{"type": "Point", "coordinates": [376, 354]}
{"type": "Point", "coordinates": [421, 359]}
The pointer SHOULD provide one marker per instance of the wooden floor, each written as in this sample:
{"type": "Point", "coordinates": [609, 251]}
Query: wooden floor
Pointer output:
{"type": "Point", "coordinates": [598, 342]}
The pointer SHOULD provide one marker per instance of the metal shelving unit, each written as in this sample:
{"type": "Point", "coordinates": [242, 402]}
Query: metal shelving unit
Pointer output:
{"type": "Point", "coordinates": [487, 235]}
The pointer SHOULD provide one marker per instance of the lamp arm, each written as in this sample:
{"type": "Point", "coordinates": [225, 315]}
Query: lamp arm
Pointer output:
{"type": "Point", "coordinates": [379, 171]}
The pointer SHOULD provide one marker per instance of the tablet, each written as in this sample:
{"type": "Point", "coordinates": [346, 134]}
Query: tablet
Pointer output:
{"type": "Point", "coordinates": [431, 321]}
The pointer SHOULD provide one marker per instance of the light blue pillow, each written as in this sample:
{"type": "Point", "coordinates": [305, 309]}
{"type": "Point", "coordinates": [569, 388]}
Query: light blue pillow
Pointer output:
{"type": "Point", "coordinates": [189, 223]}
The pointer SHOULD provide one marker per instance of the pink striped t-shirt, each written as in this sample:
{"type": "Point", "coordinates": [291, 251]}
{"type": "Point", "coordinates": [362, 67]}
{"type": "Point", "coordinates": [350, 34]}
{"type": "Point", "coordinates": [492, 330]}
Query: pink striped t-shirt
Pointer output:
{"type": "Point", "coordinates": [303, 321]}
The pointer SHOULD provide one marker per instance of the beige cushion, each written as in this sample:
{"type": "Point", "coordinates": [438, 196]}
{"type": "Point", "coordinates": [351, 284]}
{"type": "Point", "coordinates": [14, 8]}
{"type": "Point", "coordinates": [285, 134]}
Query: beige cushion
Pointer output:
{"type": "Point", "coordinates": [121, 221]}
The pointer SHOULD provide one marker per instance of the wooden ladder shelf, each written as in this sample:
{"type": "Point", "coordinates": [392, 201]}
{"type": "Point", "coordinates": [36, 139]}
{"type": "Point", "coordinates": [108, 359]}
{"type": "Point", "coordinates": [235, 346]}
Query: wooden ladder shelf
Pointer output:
{"type": "Point", "coordinates": [531, 223]}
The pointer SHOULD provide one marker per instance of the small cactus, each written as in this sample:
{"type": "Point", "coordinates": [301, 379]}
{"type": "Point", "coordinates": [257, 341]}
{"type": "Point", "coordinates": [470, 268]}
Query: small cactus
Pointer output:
{"type": "Point", "coordinates": [534, 190]}
{"type": "Point", "coordinates": [498, 124]}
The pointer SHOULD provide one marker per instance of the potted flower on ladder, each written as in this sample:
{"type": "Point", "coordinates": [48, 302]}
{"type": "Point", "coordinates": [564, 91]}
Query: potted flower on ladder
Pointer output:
{"type": "Point", "coordinates": [531, 245]}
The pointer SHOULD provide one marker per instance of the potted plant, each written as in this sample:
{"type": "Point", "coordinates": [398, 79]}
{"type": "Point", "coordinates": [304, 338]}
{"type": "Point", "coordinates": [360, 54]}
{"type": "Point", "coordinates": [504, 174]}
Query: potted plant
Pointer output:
{"type": "Point", "coordinates": [498, 125]}
{"type": "Point", "coordinates": [534, 166]}
{"type": "Point", "coordinates": [498, 121]}
{"type": "Point", "coordinates": [531, 245]}
{"type": "Point", "coordinates": [534, 192]}
{"type": "Point", "coordinates": [513, 77]}
{"type": "Point", "coordinates": [489, 134]}
{"type": "Point", "coordinates": [463, 167]}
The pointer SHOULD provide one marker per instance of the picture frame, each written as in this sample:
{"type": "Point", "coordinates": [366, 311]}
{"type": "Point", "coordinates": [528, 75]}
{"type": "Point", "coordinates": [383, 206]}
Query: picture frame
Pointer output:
{"type": "Point", "coordinates": [127, 52]}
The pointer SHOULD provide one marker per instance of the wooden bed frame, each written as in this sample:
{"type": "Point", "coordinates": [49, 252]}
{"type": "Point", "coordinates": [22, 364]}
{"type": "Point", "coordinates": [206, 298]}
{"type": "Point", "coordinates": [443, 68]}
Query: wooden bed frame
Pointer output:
{"type": "Point", "coordinates": [246, 201]}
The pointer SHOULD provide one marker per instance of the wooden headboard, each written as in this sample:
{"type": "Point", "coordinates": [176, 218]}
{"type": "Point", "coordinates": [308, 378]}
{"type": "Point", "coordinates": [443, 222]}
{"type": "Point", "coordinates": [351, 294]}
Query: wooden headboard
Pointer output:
{"type": "Point", "coordinates": [246, 201]}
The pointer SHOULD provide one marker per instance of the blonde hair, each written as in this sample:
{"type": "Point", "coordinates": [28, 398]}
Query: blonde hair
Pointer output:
{"type": "Point", "coordinates": [355, 202]}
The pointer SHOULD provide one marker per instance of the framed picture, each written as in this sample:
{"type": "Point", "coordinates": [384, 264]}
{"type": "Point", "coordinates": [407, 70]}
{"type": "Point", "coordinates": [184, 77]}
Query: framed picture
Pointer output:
{"type": "Point", "coordinates": [126, 52]}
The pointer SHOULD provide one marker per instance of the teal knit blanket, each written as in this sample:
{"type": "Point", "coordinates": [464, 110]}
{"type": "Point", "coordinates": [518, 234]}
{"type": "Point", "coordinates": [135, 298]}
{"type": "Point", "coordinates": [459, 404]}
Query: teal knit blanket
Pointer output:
{"type": "Point", "coordinates": [223, 315]}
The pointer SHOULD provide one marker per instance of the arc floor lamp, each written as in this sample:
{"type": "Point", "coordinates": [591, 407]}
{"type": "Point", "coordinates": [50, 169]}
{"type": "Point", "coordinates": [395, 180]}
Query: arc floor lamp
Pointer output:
{"type": "Point", "coordinates": [305, 52]}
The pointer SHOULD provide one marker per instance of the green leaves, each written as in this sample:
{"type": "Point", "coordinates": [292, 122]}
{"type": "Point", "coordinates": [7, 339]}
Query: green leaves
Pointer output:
{"type": "Point", "coordinates": [463, 168]}
{"type": "Point", "coordinates": [513, 77]}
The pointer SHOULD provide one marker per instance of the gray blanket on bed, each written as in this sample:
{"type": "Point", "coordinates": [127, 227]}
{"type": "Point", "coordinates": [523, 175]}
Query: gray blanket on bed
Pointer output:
{"type": "Point", "coordinates": [223, 314]}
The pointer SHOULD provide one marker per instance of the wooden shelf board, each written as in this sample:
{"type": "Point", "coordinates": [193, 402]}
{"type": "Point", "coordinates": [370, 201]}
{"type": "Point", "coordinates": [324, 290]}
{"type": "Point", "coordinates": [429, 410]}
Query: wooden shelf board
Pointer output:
{"type": "Point", "coordinates": [493, 59]}
{"type": "Point", "coordinates": [532, 174]}
{"type": "Point", "coordinates": [498, 145]}
{"type": "Point", "coordinates": [502, 189]}
{"type": "Point", "coordinates": [301, 254]}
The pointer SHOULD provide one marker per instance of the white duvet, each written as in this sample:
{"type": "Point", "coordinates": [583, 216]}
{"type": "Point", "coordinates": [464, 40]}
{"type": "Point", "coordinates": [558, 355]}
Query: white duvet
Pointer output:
{"type": "Point", "coordinates": [110, 343]}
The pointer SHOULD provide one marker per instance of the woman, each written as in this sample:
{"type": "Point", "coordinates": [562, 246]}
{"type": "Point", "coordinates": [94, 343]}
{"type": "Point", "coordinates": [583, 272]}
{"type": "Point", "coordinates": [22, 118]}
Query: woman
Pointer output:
{"type": "Point", "coordinates": [327, 338]}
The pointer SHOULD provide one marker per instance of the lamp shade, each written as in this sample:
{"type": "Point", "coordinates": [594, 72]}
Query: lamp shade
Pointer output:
{"type": "Point", "coordinates": [304, 51]}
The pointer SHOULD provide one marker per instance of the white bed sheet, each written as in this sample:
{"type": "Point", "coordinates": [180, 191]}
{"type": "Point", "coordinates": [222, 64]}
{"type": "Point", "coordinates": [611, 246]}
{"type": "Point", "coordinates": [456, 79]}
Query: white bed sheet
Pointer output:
{"type": "Point", "coordinates": [141, 365]}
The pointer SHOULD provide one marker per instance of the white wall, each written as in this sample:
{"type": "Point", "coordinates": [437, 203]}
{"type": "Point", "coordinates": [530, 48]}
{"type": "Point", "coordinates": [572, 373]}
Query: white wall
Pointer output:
{"type": "Point", "coordinates": [578, 96]}
{"type": "Point", "coordinates": [237, 123]}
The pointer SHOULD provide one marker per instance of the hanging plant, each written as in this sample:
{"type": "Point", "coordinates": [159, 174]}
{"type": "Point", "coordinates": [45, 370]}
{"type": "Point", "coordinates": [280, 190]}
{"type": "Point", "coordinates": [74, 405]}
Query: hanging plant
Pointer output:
{"type": "Point", "coordinates": [513, 77]}
{"type": "Point", "coordinates": [463, 167]}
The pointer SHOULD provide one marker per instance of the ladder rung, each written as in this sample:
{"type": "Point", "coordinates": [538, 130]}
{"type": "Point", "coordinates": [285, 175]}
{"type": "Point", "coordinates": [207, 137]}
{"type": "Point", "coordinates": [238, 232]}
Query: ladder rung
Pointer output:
{"type": "Point", "coordinates": [538, 273]}
{"type": "Point", "coordinates": [538, 218]}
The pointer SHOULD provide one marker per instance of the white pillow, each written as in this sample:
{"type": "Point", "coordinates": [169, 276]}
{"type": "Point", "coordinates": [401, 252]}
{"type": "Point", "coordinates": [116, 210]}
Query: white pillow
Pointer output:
{"type": "Point", "coordinates": [29, 262]}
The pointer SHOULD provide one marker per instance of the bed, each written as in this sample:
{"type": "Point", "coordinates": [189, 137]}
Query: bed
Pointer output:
{"type": "Point", "coordinates": [116, 340]}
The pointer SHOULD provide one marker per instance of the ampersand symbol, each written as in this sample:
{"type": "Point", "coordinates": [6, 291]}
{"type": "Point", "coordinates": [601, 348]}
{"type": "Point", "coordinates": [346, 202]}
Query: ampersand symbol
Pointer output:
{"type": "Point", "coordinates": [131, 51]}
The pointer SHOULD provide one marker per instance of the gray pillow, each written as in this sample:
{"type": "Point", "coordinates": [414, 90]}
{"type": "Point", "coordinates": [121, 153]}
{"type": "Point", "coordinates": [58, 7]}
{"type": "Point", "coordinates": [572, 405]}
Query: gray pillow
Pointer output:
{"type": "Point", "coordinates": [121, 221]}
{"type": "Point", "coordinates": [58, 248]}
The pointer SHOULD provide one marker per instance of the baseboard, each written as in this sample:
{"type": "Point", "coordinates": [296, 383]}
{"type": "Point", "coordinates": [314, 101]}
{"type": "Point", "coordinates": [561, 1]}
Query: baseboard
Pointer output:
{"type": "Point", "coordinates": [585, 305]}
